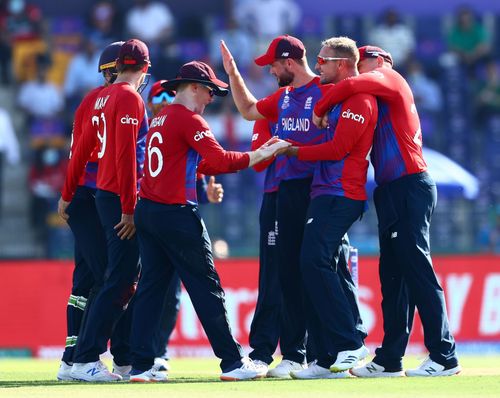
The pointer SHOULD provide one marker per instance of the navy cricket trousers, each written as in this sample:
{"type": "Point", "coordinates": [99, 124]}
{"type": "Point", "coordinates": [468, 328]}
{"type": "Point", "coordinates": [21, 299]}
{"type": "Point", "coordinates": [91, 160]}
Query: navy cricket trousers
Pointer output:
{"type": "Point", "coordinates": [334, 327]}
{"type": "Point", "coordinates": [119, 282]}
{"type": "Point", "coordinates": [404, 209]}
{"type": "Point", "coordinates": [265, 327]}
{"type": "Point", "coordinates": [174, 238]}
{"type": "Point", "coordinates": [90, 262]}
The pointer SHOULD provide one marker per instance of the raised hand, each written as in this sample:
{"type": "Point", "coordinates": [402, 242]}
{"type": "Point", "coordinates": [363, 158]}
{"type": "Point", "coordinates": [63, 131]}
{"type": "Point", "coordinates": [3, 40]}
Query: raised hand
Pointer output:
{"type": "Point", "coordinates": [227, 59]}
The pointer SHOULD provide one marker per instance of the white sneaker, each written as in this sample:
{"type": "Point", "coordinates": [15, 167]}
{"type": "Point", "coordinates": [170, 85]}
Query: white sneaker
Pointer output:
{"type": "Point", "coordinates": [246, 371]}
{"type": "Point", "coordinates": [374, 370]}
{"type": "Point", "coordinates": [429, 368]}
{"type": "Point", "coordinates": [123, 371]}
{"type": "Point", "coordinates": [64, 372]}
{"type": "Point", "coordinates": [282, 371]}
{"type": "Point", "coordinates": [93, 372]}
{"type": "Point", "coordinates": [261, 367]}
{"type": "Point", "coordinates": [348, 359]}
{"type": "Point", "coordinates": [162, 364]}
{"type": "Point", "coordinates": [314, 371]}
{"type": "Point", "coordinates": [152, 375]}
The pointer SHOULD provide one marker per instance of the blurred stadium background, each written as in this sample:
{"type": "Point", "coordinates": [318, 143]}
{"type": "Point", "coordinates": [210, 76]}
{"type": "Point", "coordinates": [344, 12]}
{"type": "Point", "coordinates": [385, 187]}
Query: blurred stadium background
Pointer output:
{"type": "Point", "coordinates": [449, 51]}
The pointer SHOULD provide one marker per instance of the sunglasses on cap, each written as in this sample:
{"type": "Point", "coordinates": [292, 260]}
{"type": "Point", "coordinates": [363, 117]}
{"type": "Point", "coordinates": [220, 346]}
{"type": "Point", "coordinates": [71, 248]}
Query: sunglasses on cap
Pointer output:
{"type": "Point", "coordinates": [323, 60]}
{"type": "Point", "coordinates": [164, 96]}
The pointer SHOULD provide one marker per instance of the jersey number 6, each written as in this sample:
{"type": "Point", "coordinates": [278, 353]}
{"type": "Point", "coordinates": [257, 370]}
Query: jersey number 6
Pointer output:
{"type": "Point", "coordinates": [154, 150]}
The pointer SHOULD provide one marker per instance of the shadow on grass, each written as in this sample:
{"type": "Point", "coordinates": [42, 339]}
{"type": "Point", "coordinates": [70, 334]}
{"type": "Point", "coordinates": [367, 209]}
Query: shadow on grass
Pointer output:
{"type": "Point", "coordinates": [176, 380]}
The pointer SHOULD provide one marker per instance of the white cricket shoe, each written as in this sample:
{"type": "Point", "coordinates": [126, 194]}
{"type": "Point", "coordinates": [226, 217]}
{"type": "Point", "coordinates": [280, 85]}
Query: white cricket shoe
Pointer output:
{"type": "Point", "coordinates": [283, 369]}
{"type": "Point", "coordinates": [162, 364]}
{"type": "Point", "coordinates": [123, 371]}
{"type": "Point", "coordinates": [64, 372]}
{"type": "Point", "coordinates": [152, 375]}
{"type": "Point", "coordinates": [348, 359]}
{"type": "Point", "coordinates": [314, 371]}
{"type": "Point", "coordinates": [373, 369]}
{"type": "Point", "coordinates": [93, 372]}
{"type": "Point", "coordinates": [429, 368]}
{"type": "Point", "coordinates": [261, 367]}
{"type": "Point", "coordinates": [246, 371]}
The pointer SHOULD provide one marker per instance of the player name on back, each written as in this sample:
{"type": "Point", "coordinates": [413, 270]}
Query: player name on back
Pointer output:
{"type": "Point", "coordinates": [158, 121]}
{"type": "Point", "coordinates": [100, 102]}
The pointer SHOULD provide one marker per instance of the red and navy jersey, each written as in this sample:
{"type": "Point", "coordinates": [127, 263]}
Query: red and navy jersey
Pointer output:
{"type": "Point", "coordinates": [117, 117]}
{"type": "Point", "coordinates": [292, 109]}
{"type": "Point", "coordinates": [397, 143]}
{"type": "Point", "coordinates": [177, 139]}
{"type": "Point", "coordinates": [343, 158]}
{"type": "Point", "coordinates": [263, 130]}
{"type": "Point", "coordinates": [81, 123]}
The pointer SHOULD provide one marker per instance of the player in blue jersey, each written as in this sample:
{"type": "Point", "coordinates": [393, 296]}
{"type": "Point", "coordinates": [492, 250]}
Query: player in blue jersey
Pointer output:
{"type": "Point", "coordinates": [291, 108]}
{"type": "Point", "coordinates": [338, 199]}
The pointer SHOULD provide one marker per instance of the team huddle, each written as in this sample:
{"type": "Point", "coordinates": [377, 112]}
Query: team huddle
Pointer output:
{"type": "Point", "coordinates": [131, 198]}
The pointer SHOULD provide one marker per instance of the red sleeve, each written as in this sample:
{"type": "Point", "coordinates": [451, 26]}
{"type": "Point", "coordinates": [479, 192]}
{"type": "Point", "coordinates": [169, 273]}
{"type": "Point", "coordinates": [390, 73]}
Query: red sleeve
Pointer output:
{"type": "Point", "coordinates": [86, 141]}
{"type": "Point", "coordinates": [132, 106]}
{"type": "Point", "coordinates": [199, 137]}
{"type": "Point", "coordinates": [269, 106]}
{"type": "Point", "coordinates": [347, 132]}
{"type": "Point", "coordinates": [261, 134]}
{"type": "Point", "coordinates": [377, 82]}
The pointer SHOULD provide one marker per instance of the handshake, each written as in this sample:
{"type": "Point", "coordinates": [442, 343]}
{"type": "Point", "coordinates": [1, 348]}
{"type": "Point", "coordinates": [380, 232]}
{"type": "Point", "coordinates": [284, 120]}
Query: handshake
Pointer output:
{"type": "Point", "coordinates": [275, 147]}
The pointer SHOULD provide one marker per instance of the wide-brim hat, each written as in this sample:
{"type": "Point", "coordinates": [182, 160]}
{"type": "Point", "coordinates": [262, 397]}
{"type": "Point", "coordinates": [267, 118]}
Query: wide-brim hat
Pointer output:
{"type": "Point", "coordinates": [197, 72]}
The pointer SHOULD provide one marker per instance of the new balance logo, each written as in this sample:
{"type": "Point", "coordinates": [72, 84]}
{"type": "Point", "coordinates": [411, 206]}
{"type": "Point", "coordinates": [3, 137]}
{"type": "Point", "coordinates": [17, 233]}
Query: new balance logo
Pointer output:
{"type": "Point", "coordinates": [371, 368]}
{"type": "Point", "coordinates": [310, 221]}
{"type": "Point", "coordinates": [285, 54]}
{"type": "Point", "coordinates": [394, 235]}
{"type": "Point", "coordinates": [255, 137]}
{"type": "Point", "coordinates": [430, 370]}
{"type": "Point", "coordinates": [93, 371]}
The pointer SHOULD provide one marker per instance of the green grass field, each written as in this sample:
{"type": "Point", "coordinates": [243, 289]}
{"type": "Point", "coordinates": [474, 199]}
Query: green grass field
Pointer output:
{"type": "Point", "coordinates": [199, 378]}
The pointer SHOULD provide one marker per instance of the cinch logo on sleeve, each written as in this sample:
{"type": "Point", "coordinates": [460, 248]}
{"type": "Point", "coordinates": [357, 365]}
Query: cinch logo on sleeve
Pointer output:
{"type": "Point", "coordinates": [354, 116]}
{"type": "Point", "coordinates": [129, 120]}
{"type": "Point", "coordinates": [200, 134]}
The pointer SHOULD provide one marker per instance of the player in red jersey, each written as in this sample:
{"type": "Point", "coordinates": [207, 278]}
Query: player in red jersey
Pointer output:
{"type": "Point", "coordinates": [90, 241]}
{"type": "Point", "coordinates": [405, 200]}
{"type": "Point", "coordinates": [212, 192]}
{"type": "Point", "coordinates": [172, 235]}
{"type": "Point", "coordinates": [117, 115]}
{"type": "Point", "coordinates": [338, 199]}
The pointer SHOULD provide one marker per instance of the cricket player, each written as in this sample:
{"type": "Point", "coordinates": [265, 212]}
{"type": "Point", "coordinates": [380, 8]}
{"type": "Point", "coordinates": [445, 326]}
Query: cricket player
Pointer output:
{"type": "Point", "coordinates": [405, 200]}
{"type": "Point", "coordinates": [338, 199]}
{"type": "Point", "coordinates": [117, 115]}
{"type": "Point", "coordinates": [172, 236]}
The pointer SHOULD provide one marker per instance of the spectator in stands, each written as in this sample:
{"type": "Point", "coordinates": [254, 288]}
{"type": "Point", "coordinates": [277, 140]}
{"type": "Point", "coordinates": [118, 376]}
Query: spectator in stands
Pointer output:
{"type": "Point", "coordinates": [151, 21]}
{"type": "Point", "coordinates": [80, 75]}
{"type": "Point", "coordinates": [42, 102]}
{"type": "Point", "coordinates": [487, 94]}
{"type": "Point", "coordinates": [267, 19]}
{"type": "Point", "coordinates": [395, 36]}
{"type": "Point", "coordinates": [469, 39]}
{"type": "Point", "coordinates": [236, 38]}
{"type": "Point", "coordinates": [104, 23]}
{"type": "Point", "coordinates": [24, 30]}
{"type": "Point", "coordinates": [9, 146]}
{"type": "Point", "coordinates": [46, 179]}
{"type": "Point", "coordinates": [428, 99]}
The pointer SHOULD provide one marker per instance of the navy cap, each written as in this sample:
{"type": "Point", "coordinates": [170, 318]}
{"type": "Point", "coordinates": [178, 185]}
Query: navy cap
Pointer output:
{"type": "Point", "coordinates": [108, 57]}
